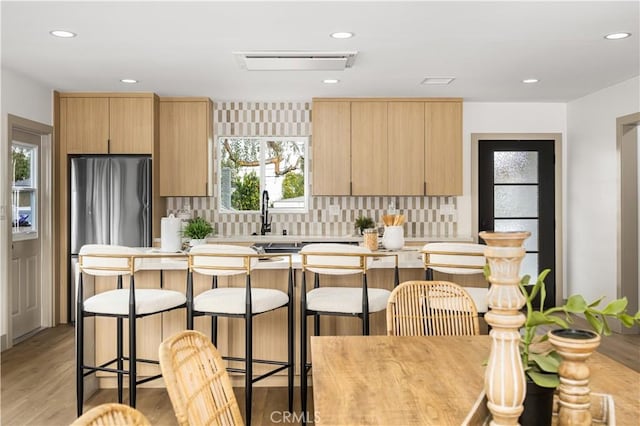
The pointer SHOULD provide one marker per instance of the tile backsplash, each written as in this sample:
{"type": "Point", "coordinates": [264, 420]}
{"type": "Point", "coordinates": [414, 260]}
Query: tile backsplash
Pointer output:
{"type": "Point", "coordinates": [422, 214]}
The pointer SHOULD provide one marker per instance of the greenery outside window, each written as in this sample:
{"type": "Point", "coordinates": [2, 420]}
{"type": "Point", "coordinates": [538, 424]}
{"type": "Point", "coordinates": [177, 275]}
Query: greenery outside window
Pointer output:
{"type": "Point", "coordinates": [249, 165]}
{"type": "Point", "coordinates": [24, 191]}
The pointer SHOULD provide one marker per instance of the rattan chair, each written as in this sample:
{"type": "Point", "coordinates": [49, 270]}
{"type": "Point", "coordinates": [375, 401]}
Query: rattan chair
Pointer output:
{"type": "Point", "coordinates": [354, 301]}
{"type": "Point", "coordinates": [246, 302]}
{"type": "Point", "coordinates": [197, 381]}
{"type": "Point", "coordinates": [112, 415]}
{"type": "Point", "coordinates": [121, 303]}
{"type": "Point", "coordinates": [458, 259]}
{"type": "Point", "coordinates": [431, 308]}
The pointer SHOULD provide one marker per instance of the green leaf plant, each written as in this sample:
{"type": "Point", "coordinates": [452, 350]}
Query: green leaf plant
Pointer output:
{"type": "Point", "coordinates": [539, 359]}
{"type": "Point", "coordinates": [197, 228]}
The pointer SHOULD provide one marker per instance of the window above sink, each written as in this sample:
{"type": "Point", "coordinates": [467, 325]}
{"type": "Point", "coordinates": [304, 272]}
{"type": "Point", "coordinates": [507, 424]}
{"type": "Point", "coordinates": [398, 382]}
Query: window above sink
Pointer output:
{"type": "Point", "coordinates": [249, 165]}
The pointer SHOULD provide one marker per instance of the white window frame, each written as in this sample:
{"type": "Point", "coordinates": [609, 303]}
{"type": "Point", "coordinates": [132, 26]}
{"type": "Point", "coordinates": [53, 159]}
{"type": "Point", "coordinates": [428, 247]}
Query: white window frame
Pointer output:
{"type": "Point", "coordinates": [33, 232]}
{"type": "Point", "coordinates": [263, 140]}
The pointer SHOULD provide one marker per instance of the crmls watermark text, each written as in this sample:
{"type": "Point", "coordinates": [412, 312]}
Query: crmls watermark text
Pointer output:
{"type": "Point", "coordinates": [295, 417]}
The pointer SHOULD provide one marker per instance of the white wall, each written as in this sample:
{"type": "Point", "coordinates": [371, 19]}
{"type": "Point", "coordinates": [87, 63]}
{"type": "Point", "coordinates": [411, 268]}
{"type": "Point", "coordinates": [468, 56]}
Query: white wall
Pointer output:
{"type": "Point", "coordinates": [592, 178]}
{"type": "Point", "coordinates": [26, 98]}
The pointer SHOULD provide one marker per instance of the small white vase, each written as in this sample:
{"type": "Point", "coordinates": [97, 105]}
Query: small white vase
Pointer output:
{"type": "Point", "coordinates": [197, 242]}
{"type": "Point", "coordinates": [393, 238]}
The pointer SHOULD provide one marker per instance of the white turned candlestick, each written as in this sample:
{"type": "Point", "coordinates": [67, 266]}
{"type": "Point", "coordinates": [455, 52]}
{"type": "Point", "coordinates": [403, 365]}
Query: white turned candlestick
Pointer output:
{"type": "Point", "coordinates": [504, 381]}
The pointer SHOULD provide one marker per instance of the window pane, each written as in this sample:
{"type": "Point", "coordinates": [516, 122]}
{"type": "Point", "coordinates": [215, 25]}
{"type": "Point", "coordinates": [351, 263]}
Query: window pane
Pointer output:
{"type": "Point", "coordinates": [516, 201]}
{"type": "Point", "coordinates": [22, 159]}
{"type": "Point", "coordinates": [23, 208]}
{"type": "Point", "coordinates": [284, 174]}
{"type": "Point", "coordinates": [240, 174]}
{"type": "Point", "coordinates": [515, 167]}
{"type": "Point", "coordinates": [512, 225]}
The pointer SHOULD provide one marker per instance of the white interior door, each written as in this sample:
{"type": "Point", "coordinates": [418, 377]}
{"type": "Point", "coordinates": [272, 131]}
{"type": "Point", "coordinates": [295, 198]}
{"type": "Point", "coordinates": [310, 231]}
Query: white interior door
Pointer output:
{"type": "Point", "coordinates": [26, 276]}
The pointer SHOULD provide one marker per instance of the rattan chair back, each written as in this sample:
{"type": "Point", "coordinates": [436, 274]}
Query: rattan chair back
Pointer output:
{"type": "Point", "coordinates": [112, 415]}
{"type": "Point", "coordinates": [431, 308]}
{"type": "Point", "coordinates": [197, 381]}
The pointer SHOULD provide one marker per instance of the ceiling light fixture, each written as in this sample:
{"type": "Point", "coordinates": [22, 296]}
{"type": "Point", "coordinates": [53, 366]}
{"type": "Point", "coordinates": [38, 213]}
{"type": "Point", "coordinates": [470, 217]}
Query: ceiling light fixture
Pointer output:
{"type": "Point", "coordinates": [342, 34]}
{"type": "Point", "coordinates": [617, 36]}
{"type": "Point", "coordinates": [437, 80]}
{"type": "Point", "coordinates": [530, 80]}
{"type": "Point", "coordinates": [331, 81]}
{"type": "Point", "coordinates": [62, 33]}
{"type": "Point", "coordinates": [129, 81]}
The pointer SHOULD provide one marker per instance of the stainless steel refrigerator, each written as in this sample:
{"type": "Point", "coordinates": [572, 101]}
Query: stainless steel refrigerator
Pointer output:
{"type": "Point", "coordinates": [109, 203]}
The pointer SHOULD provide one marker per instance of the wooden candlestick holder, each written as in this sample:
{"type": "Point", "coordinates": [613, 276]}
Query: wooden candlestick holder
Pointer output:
{"type": "Point", "coordinates": [504, 381]}
{"type": "Point", "coordinates": [574, 346]}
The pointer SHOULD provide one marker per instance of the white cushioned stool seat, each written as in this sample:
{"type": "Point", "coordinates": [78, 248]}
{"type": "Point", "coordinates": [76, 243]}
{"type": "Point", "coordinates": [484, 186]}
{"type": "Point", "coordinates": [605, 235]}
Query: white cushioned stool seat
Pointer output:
{"type": "Point", "coordinates": [148, 301]}
{"type": "Point", "coordinates": [346, 299]}
{"type": "Point", "coordinates": [232, 300]}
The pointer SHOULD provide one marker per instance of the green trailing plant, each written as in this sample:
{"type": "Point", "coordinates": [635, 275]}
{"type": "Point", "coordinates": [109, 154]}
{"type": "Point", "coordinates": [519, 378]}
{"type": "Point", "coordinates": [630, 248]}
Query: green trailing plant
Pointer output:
{"type": "Point", "coordinates": [539, 359]}
{"type": "Point", "coordinates": [364, 222]}
{"type": "Point", "coordinates": [197, 229]}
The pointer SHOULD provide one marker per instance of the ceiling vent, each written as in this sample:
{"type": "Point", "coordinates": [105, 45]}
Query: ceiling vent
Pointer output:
{"type": "Point", "coordinates": [288, 60]}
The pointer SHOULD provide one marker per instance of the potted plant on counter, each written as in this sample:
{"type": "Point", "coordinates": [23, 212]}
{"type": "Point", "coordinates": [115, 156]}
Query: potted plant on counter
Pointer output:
{"type": "Point", "coordinates": [197, 230]}
{"type": "Point", "coordinates": [540, 359]}
{"type": "Point", "coordinates": [364, 222]}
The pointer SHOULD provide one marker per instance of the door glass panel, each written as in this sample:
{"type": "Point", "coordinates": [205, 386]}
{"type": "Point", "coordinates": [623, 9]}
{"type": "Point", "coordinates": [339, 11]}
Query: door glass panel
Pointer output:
{"type": "Point", "coordinates": [24, 189]}
{"type": "Point", "coordinates": [529, 266]}
{"type": "Point", "coordinates": [516, 201]}
{"type": "Point", "coordinates": [511, 225]}
{"type": "Point", "coordinates": [515, 167]}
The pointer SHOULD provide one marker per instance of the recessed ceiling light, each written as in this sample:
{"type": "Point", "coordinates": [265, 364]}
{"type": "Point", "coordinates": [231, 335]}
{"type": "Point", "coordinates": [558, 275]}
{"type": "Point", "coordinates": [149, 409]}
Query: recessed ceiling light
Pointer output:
{"type": "Point", "coordinates": [438, 80]}
{"type": "Point", "coordinates": [342, 34]}
{"type": "Point", "coordinates": [62, 33]}
{"type": "Point", "coordinates": [530, 80]}
{"type": "Point", "coordinates": [129, 80]}
{"type": "Point", "coordinates": [617, 36]}
{"type": "Point", "coordinates": [331, 81]}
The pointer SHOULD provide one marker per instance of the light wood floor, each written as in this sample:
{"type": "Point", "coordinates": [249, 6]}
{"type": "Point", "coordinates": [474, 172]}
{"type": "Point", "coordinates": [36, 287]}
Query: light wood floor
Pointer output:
{"type": "Point", "coordinates": [38, 385]}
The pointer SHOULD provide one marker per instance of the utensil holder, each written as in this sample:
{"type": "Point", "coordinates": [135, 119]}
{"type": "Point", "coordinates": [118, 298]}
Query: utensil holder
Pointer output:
{"type": "Point", "coordinates": [393, 238]}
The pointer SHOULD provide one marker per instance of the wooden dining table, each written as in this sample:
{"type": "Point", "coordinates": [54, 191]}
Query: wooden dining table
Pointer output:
{"type": "Point", "coordinates": [435, 380]}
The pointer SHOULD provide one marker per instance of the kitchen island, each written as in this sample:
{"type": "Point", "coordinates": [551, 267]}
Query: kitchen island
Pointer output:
{"type": "Point", "coordinates": [170, 271]}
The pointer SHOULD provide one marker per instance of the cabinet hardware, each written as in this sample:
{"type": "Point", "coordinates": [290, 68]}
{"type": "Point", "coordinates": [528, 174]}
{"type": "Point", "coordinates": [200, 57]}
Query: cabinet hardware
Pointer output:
{"type": "Point", "coordinates": [108, 146]}
{"type": "Point", "coordinates": [424, 189]}
{"type": "Point", "coordinates": [350, 188]}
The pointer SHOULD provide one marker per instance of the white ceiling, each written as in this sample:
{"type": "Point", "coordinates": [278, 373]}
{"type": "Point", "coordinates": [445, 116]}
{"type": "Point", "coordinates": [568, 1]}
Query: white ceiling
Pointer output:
{"type": "Point", "coordinates": [185, 49]}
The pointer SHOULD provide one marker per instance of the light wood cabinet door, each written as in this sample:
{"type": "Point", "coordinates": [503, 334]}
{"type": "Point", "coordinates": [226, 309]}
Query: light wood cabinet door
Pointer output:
{"type": "Point", "coordinates": [331, 148]}
{"type": "Point", "coordinates": [443, 148]}
{"type": "Point", "coordinates": [406, 148]}
{"type": "Point", "coordinates": [84, 125]}
{"type": "Point", "coordinates": [185, 133]}
{"type": "Point", "coordinates": [131, 125]}
{"type": "Point", "coordinates": [369, 148]}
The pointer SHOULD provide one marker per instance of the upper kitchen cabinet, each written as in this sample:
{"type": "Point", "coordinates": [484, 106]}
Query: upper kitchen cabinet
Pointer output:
{"type": "Point", "coordinates": [396, 146]}
{"type": "Point", "coordinates": [331, 148]}
{"type": "Point", "coordinates": [443, 148]}
{"type": "Point", "coordinates": [369, 148]}
{"type": "Point", "coordinates": [186, 132]}
{"type": "Point", "coordinates": [405, 148]}
{"type": "Point", "coordinates": [107, 123]}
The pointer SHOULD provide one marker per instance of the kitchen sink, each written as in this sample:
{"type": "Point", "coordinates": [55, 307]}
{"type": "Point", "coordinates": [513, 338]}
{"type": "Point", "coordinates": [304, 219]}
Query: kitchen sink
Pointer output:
{"type": "Point", "coordinates": [292, 247]}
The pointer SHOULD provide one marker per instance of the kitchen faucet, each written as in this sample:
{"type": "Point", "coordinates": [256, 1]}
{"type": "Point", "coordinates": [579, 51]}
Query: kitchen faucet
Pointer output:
{"type": "Point", "coordinates": [264, 216]}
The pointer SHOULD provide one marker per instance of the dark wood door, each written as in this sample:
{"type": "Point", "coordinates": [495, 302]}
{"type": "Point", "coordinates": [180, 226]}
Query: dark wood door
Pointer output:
{"type": "Point", "coordinates": [516, 193]}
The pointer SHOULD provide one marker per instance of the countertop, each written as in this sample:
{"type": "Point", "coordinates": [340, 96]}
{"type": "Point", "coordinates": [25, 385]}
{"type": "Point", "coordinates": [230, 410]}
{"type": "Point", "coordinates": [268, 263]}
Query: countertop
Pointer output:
{"type": "Point", "coordinates": [323, 238]}
{"type": "Point", "coordinates": [154, 259]}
